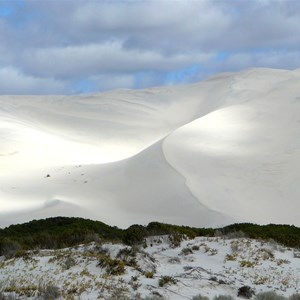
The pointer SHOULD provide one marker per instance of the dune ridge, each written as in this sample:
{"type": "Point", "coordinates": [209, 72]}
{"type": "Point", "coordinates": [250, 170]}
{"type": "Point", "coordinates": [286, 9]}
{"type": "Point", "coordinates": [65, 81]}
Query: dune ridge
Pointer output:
{"type": "Point", "coordinates": [207, 154]}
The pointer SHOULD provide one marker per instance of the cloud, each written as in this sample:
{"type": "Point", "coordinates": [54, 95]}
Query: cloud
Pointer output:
{"type": "Point", "coordinates": [90, 60]}
{"type": "Point", "coordinates": [14, 82]}
{"type": "Point", "coordinates": [142, 43]}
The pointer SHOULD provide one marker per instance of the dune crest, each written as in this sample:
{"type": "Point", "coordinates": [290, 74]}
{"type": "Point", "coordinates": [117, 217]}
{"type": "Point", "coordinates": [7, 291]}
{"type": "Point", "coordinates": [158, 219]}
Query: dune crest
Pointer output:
{"type": "Point", "coordinates": [205, 154]}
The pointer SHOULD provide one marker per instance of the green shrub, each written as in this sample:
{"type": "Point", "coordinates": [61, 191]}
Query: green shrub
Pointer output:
{"type": "Point", "coordinates": [230, 257]}
{"type": "Point", "coordinates": [195, 247]}
{"type": "Point", "coordinates": [245, 292]}
{"type": "Point", "coordinates": [175, 240]}
{"type": "Point", "coordinates": [269, 296]}
{"type": "Point", "coordinates": [200, 297]}
{"type": "Point", "coordinates": [112, 266]}
{"type": "Point", "coordinates": [119, 298]}
{"type": "Point", "coordinates": [223, 297]}
{"type": "Point", "coordinates": [48, 292]}
{"type": "Point", "coordinates": [128, 256]}
{"type": "Point", "coordinates": [154, 298]}
{"type": "Point", "coordinates": [149, 274]}
{"type": "Point", "coordinates": [164, 280]}
{"type": "Point", "coordinates": [7, 297]}
{"type": "Point", "coordinates": [247, 264]}
{"type": "Point", "coordinates": [9, 248]}
{"type": "Point", "coordinates": [61, 232]}
{"type": "Point", "coordinates": [69, 262]}
{"type": "Point", "coordinates": [186, 251]}
{"type": "Point", "coordinates": [135, 235]}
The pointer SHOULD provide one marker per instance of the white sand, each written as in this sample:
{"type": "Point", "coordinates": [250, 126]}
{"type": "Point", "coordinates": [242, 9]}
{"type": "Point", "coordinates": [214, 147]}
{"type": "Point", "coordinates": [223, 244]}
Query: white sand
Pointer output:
{"type": "Point", "coordinates": [211, 267]}
{"type": "Point", "coordinates": [207, 154]}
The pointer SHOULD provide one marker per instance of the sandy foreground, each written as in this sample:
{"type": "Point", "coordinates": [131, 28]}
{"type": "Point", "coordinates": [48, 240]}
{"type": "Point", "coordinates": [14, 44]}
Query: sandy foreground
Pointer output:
{"type": "Point", "coordinates": [206, 266]}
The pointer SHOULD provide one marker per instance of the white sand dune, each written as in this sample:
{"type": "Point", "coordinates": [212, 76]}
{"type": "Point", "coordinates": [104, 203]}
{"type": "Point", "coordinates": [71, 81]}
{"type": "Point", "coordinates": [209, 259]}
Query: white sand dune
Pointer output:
{"type": "Point", "coordinates": [223, 150]}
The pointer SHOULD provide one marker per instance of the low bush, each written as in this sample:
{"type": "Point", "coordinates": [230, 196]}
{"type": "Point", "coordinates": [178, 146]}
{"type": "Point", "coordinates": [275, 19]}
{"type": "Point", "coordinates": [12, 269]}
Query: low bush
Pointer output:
{"type": "Point", "coordinates": [164, 280]}
{"type": "Point", "coordinates": [174, 260]}
{"type": "Point", "coordinates": [135, 235]}
{"type": "Point", "coordinates": [195, 247]}
{"type": "Point", "coordinates": [269, 296]}
{"type": "Point", "coordinates": [186, 251]}
{"type": "Point", "coordinates": [149, 274]}
{"type": "Point", "coordinates": [223, 297]}
{"type": "Point", "coordinates": [175, 240]}
{"type": "Point", "coordinates": [245, 292]}
{"type": "Point", "coordinates": [7, 297]}
{"type": "Point", "coordinates": [128, 256]}
{"type": "Point", "coordinates": [61, 232]}
{"type": "Point", "coordinates": [200, 297]}
{"type": "Point", "coordinates": [230, 257]}
{"type": "Point", "coordinates": [69, 262]}
{"type": "Point", "coordinates": [247, 264]}
{"type": "Point", "coordinates": [154, 297]}
{"type": "Point", "coordinates": [135, 283]}
{"type": "Point", "coordinates": [112, 266]}
{"type": "Point", "coordinates": [48, 292]}
{"type": "Point", "coordinates": [9, 248]}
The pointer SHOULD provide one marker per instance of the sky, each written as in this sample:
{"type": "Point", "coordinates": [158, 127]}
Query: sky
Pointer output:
{"type": "Point", "coordinates": [89, 46]}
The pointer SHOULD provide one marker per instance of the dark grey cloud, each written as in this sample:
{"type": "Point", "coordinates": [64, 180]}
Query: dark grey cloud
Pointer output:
{"type": "Point", "coordinates": [50, 46]}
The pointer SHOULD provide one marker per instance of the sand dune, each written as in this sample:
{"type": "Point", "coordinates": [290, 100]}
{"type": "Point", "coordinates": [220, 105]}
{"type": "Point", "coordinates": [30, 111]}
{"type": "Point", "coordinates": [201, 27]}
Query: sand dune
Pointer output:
{"type": "Point", "coordinates": [206, 154]}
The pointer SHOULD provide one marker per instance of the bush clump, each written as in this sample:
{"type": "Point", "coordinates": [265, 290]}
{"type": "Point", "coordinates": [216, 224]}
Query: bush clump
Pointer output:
{"type": "Point", "coordinates": [175, 240]}
{"type": "Point", "coordinates": [62, 232]}
{"type": "Point", "coordinates": [247, 264]}
{"type": "Point", "coordinates": [128, 256]}
{"type": "Point", "coordinates": [112, 266]}
{"type": "Point", "coordinates": [200, 297]}
{"type": "Point", "coordinates": [135, 235]}
{"type": "Point", "coordinates": [186, 251]}
{"type": "Point", "coordinates": [245, 292]}
{"type": "Point", "coordinates": [164, 280]}
{"type": "Point", "coordinates": [48, 292]}
{"type": "Point", "coordinates": [223, 297]}
{"type": "Point", "coordinates": [149, 274]}
{"type": "Point", "coordinates": [270, 295]}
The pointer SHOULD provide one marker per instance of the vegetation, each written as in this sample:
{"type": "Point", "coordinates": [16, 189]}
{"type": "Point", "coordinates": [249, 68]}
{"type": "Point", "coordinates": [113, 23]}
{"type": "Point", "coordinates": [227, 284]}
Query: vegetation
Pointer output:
{"type": "Point", "coordinates": [200, 297]}
{"type": "Point", "coordinates": [287, 235]}
{"type": "Point", "coordinates": [60, 232]}
{"type": "Point", "coordinates": [54, 233]}
{"type": "Point", "coordinates": [112, 266]}
{"type": "Point", "coordinates": [269, 296]}
{"type": "Point", "coordinates": [245, 292]}
{"type": "Point", "coordinates": [49, 292]}
{"type": "Point", "coordinates": [165, 280]}
{"type": "Point", "coordinates": [223, 297]}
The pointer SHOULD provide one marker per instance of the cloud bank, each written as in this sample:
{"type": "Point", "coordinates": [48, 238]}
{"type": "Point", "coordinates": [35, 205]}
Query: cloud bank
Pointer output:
{"type": "Point", "coordinates": [65, 47]}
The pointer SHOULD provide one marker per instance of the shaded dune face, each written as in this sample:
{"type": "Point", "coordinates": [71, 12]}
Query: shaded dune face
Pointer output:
{"type": "Point", "coordinates": [207, 154]}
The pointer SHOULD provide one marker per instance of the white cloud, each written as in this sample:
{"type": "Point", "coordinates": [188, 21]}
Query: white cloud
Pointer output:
{"type": "Point", "coordinates": [87, 60]}
{"type": "Point", "coordinates": [66, 41]}
{"type": "Point", "coordinates": [14, 82]}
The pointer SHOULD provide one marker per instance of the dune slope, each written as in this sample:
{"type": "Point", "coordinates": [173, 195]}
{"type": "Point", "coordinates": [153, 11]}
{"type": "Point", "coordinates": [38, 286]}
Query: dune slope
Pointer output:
{"type": "Point", "coordinates": [206, 154]}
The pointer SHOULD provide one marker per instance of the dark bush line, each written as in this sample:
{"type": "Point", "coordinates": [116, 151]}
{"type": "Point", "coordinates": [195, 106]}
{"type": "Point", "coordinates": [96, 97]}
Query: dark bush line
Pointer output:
{"type": "Point", "coordinates": [53, 233]}
{"type": "Point", "coordinates": [287, 235]}
{"type": "Point", "coordinates": [59, 232]}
